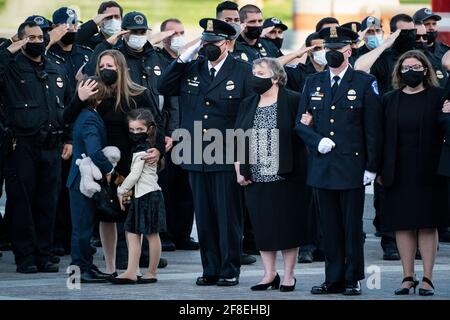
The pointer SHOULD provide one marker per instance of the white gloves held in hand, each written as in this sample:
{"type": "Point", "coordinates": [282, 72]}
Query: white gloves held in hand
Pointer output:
{"type": "Point", "coordinates": [326, 145]}
{"type": "Point", "coordinates": [190, 52]}
{"type": "Point", "coordinates": [369, 177]}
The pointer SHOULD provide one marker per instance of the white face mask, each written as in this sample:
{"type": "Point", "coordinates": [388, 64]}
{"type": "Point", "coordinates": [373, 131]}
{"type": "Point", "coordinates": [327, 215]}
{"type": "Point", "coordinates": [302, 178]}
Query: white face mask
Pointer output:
{"type": "Point", "coordinates": [177, 43]}
{"type": "Point", "coordinates": [112, 26]}
{"type": "Point", "coordinates": [136, 42]}
{"type": "Point", "coordinates": [319, 57]}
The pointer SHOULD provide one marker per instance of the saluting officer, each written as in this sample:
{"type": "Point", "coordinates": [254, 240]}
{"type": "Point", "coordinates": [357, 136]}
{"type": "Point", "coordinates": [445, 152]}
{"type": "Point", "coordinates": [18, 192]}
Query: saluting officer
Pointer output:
{"type": "Point", "coordinates": [34, 92]}
{"type": "Point", "coordinates": [211, 89]}
{"type": "Point", "coordinates": [344, 142]}
{"type": "Point", "coordinates": [63, 50]}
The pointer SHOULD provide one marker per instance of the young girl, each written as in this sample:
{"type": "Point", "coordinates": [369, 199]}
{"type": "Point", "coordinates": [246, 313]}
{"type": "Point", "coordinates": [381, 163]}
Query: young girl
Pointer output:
{"type": "Point", "coordinates": [146, 215]}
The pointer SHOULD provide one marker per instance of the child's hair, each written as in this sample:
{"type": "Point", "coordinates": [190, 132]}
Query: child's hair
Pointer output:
{"type": "Point", "coordinates": [146, 116]}
{"type": "Point", "coordinates": [104, 92]}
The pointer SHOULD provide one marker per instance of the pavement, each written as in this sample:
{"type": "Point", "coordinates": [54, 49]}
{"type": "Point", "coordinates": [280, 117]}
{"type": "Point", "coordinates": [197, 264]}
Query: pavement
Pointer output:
{"type": "Point", "coordinates": [177, 280]}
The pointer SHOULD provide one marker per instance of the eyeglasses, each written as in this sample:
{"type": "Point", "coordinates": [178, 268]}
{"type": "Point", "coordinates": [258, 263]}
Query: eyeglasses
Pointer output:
{"type": "Point", "coordinates": [423, 36]}
{"type": "Point", "coordinates": [416, 67]}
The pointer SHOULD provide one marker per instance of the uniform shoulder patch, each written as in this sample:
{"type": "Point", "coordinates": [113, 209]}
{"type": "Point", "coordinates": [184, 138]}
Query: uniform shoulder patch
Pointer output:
{"type": "Point", "coordinates": [375, 87]}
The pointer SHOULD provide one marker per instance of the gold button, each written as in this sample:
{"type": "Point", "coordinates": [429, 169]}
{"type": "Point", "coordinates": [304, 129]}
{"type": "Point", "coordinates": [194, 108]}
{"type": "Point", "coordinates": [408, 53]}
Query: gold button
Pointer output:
{"type": "Point", "coordinates": [331, 133]}
{"type": "Point", "coordinates": [356, 154]}
{"type": "Point", "coordinates": [26, 104]}
{"type": "Point", "coordinates": [204, 130]}
{"type": "Point", "coordinates": [314, 108]}
{"type": "Point", "coordinates": [333, 107]}
{"type": "Point", "coordinates": [351, 107]}
{"type": "Point", "coordinates": [331, 120]}
{"type": "Point", "coordinates": [207, 103]}
{"type": "Point", "coordinates": [206, 116]}
{"type": "Point", "coordinates": [230, 97]}
{"type": "Point", "coordinates": [144, 77]}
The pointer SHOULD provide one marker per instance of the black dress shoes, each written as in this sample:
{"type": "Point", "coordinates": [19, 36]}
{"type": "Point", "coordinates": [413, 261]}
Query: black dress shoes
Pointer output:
{"type": "Point", "coordinates": [228, 282]}
{"type": "Point", "coordinates": [90, 277]}
{"type": "Point", "coordinates": [247, 259]}
{"type": "Point", "coordinates": [328, 288]}
{"type": "Point", "coordinates": [167, 245]}
{"type": "Point", "coordinates": [141, 280]}
{"type": "Point", "coordinates": [27, 268]}
{"type": "Point", "coordinates": [188, 244]}
{"type": "Point", "coordinates": [102, 275]}
{"type": "Point", "coordinates": [391, 255]}
{"type": "Point", "coordinates": [305, 257]}
{"type": "Point", "coordinates": [206, 281]}
{"type": "Point", "coordinates": [48, 267]}
{"type": "Point", "coordinates": [274, 284]}
{"type": "Point", "coordinates": [406, 291]}
{"type": "Point", "coordinates": [427, 292]}
{"type": "Point", "coordinates": [352, 289]}
{"type": "Point", "coordinates": [284, 288]}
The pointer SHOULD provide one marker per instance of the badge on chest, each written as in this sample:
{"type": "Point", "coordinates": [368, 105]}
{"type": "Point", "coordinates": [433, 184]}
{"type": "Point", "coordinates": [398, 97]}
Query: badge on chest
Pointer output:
{"type": "Point", "coordinates": [193, 82]}
{"type": "Point", "coordinates": [317, 95]}
{"type": "Point", "coordinates": [351, 95]}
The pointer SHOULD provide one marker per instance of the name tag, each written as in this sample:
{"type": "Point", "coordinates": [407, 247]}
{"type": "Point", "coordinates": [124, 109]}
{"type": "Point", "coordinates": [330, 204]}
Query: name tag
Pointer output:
{"type": "Point", "coordinates": [316, 98]}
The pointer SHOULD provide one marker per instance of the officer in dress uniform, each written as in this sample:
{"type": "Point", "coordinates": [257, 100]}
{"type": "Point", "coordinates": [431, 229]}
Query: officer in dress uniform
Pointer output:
{"type": "Point", "coordinates": [430, 19]}
{"type": "Point", "coordinates": [35, 92]}
{"type": "Point", "coordinates": [211, 89]}
{"type": "Point", "coordinates": [355, 27]}
{"type": "Point", "coordinates": [344, 142]}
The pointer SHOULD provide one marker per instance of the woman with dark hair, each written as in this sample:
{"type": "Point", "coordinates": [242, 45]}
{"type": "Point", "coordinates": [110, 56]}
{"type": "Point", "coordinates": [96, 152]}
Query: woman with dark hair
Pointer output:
{"type": "Point", "coordinates": [125, 95]}
{"type": "Point", "coordinates": [412, 199]}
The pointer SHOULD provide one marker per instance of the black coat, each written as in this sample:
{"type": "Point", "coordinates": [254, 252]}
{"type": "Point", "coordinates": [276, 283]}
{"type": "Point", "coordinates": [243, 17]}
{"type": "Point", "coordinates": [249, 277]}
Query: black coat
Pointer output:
{"type": "Point", "coordinates": [352, 119]}
{"type": "Point", "coordinates": [430, 137]}
{"type": "Point", "coordinates": [292, 151]}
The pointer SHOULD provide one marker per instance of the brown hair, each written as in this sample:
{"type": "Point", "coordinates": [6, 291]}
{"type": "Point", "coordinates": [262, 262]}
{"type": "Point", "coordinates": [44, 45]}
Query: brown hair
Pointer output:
{"type": "Point", "coordinates": [103, 91]}
{"type": "Point", "coordinates": [109, 4]}
{"type": "Point", "coordinates": [429, 80]}
{"type": "Point", "coordinates": [124, 87]}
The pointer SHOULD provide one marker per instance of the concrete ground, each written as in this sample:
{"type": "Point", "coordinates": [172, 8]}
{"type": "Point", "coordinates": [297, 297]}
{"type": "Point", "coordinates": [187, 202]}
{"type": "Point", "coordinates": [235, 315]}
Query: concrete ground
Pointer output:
{"type": "Point", "coordinates": [177, 280]}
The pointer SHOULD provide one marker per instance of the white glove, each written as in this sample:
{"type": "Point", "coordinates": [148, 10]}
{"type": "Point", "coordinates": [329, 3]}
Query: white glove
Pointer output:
{"type": "Point", "coordinates": [326, 145]}
{"type": "Point", "coordinates": [190, 52]}
{"type": "Point", "coordinates": [369, 177]}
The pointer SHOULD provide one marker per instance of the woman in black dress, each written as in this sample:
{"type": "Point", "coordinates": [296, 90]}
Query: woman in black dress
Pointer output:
{"type": "Point", "coordinates": [125, 95]}
{"type": "Point", "coordinates": [412, 201]}
{"type": "Point", "coordinates": [273, 171]}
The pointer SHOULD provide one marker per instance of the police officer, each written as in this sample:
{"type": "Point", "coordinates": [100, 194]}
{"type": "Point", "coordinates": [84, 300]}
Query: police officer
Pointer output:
{"type": "Point", "coordinates": [211, 89]}
{"type": "Point", "coordinates": [430, 19]}
{"type": "Point", "coordinates": [34, 92]}
{"type": "Point", "coordinates": [253, 46]}
{"type": "Point", "coordinates": [345, 144]}
{"type": "Point", "coordinates": [276, 34]}
{"type": "Point", "coordinates": [107, 23]}
{"type": "Point", "coordinates": [356, 28]}
{"type": "Point", "coordinates": [373, 34]}
{"type": "Point", "coordinates": [64, 51]}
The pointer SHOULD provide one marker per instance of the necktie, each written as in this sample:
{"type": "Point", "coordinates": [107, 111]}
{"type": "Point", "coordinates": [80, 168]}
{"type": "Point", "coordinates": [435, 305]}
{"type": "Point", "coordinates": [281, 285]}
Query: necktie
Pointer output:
{"type": "Point", "coordinates": [212, 73]}
{"type": "Point", "coordinates": [335, 85]}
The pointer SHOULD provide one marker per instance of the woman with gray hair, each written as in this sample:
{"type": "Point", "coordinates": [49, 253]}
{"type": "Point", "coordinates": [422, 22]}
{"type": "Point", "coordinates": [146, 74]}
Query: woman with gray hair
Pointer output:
{"type": "Point", "coordinates": [273, 171]}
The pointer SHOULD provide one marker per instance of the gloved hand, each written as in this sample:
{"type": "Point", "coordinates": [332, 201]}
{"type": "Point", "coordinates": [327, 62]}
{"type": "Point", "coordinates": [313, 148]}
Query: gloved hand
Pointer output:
{"type": "Point", "coordinates": [369, 177]}
{"type": "Point", "coordinates": [190, 52]}
{"type": "Point", "coordinates": [326, 145]}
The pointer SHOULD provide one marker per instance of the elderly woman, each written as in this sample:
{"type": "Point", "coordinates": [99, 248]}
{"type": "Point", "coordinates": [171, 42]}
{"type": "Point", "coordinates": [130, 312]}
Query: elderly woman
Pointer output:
{"type": "Point", "coordinates": [273, 171]}
{"type": "Point", "coordinates": [413, 203]}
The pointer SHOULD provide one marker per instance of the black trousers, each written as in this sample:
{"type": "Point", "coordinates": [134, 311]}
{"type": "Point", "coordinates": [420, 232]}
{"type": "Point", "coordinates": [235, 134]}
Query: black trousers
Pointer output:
{"type": "Point", "coordinates": [174, 182]}
{"type": "Point", "coordinates": [63, 225]}
{"type": "Point", "coordinates": [341, 218]}
{"type": "Point", "coordinates": [387, 238]}
{"type": "Point", "coordinates": [32, 176]}
{"type": "Point", "coordinates": [219, 219]}
{"type": "Point", "coordinates": [310, 229]}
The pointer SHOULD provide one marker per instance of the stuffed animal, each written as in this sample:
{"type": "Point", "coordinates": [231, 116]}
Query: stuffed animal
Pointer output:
{"type": "Point", "coordinates": [90, 172]}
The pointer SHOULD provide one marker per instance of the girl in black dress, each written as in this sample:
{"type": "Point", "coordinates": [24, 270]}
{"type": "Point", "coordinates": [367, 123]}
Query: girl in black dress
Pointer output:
{"type": "Point", "coordinates": [413, 197]}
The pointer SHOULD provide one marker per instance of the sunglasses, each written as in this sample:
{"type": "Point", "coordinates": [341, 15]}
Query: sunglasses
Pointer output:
{"type": "Point", "coordinates": [423, 36]}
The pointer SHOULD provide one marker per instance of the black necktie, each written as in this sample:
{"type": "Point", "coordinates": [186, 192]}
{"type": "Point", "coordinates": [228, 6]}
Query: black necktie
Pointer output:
{"type": "Point", "coordinates": [335, 85]}
{"type": "Point", "coordinates": [212, 73]}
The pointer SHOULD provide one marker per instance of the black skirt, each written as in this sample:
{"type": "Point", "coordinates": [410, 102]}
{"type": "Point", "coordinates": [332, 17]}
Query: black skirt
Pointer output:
{"type": "Point", "coordinates": [277, 210]}
{"type": "Point", "coordinates": [147, 214]}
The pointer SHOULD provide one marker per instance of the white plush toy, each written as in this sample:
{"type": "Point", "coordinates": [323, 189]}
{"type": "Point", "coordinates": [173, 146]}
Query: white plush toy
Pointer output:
{"type": "Point", "coordinates": [90, 172]}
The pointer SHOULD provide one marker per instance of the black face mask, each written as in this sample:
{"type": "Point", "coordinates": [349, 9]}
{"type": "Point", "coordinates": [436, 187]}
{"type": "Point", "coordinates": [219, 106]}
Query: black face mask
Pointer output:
{"type": "Point", "coordinates": [69, 38]}
{"type": "Point", "coordinates": [138, 138]}
{"type": "Point", "coordinates": [278, 42]}
{"type": "Point", "coordinates": [421, 46]}
{"type": "Point", "coordinates": [432, 35]}
{"type": "Point", "coordinates": [212, 52]}
{"type": "Point", "coordinates": [35, 49]}
{"type": "Point", "coordinates": [108, 76]}
{"type": "Point", "coordinates": [413, 78]}
{"type": "Point", "coordinates": [405, 41]}
{"type": "Point", "coordinates": [253, 32]}
{"type": "Point", "coordinates": [261, 85]}
{"type": "Point", "coordinates": [334, 58]}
